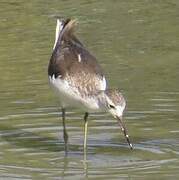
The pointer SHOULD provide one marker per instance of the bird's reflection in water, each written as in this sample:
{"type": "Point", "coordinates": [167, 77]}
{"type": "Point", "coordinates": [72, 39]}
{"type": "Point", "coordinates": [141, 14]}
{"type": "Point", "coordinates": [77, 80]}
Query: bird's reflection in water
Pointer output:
{"type": "Point", "coordinates": [65, 165]}
{"type": "Point", "coordinates": [66, 160]}
{"type": "Point", "coordinates": [85, 163]}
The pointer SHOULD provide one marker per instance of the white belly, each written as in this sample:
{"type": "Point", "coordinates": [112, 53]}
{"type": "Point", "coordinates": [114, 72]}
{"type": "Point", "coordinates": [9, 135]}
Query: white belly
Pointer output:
{"type": "Point", "coordinates": [70, 96]}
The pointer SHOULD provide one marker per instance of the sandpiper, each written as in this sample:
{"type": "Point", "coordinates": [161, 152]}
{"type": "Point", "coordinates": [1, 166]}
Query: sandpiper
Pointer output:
{"type": "Point", "coordinates": [78, 79]}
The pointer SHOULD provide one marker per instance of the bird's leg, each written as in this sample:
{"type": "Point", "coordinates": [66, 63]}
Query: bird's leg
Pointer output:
{"type": "Point", "coordinates": [65, 135]}
{"type": "Point", "coordinates": [85, 130]}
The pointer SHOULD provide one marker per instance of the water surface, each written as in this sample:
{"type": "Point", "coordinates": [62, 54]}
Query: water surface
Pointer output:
{"type": "Point", "coordinates": [136, 44]}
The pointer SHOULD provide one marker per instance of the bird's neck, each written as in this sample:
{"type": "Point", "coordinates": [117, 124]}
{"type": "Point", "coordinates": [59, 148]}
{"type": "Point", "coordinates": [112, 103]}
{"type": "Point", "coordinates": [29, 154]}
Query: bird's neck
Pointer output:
{"type": "Point", "coordinates": [102, 102]}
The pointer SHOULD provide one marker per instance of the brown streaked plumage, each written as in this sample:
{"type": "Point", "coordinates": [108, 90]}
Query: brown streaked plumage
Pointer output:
{"type": "Point", "coordinates": [78, 79]}
{"type": "Point", "coordinates": [64, 62]}
{"type": "Point", "coordinates": [116, 97]}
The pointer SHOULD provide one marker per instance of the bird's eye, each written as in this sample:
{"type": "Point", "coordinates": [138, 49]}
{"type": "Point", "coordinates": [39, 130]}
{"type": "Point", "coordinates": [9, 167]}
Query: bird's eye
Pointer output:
{"type": "Point", "coordinates": [111, 106]}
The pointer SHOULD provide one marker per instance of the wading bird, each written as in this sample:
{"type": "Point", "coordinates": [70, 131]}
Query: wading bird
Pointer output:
{"type": "Point", "coordinates": [78, 79]}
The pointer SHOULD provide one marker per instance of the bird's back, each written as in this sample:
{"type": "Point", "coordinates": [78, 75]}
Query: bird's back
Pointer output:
{"type": "Point", "coordinates": [73, 64]}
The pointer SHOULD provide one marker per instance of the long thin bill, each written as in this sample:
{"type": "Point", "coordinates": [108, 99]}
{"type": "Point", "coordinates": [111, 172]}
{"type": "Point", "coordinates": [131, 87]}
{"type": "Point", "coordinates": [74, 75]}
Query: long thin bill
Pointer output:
{"type": "Point", "coordinates": [124, 130]}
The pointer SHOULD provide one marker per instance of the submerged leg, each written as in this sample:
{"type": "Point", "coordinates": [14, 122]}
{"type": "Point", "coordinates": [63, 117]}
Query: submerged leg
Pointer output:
{"type": "Point", "coordinates": [85, 130]}
{"type": "Point", "coordinates": [65, 135]}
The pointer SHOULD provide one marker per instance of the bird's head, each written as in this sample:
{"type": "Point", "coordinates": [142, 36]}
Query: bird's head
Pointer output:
{"type": "Point", "coordinates": [115, 104]}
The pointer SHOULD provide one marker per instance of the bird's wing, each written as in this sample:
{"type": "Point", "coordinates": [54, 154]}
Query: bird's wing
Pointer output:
{"type": "Point", "coordinates": [71, 62]}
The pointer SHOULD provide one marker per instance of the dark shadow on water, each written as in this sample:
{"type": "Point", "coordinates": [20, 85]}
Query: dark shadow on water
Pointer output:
{"type": "Point", "coordinates": [33, 141]}
{"type": "Point", "coordinates": [66, 167]}
{"type": "Point", "coordinates": [26, 139]}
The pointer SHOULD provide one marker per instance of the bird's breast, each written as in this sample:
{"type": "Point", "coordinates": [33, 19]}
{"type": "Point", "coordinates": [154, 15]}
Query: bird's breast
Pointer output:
{"type": "Point", "coordinates": [70, 96]}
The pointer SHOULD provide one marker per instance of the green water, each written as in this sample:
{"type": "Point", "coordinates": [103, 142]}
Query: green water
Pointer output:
{"type": "Point", "coordinates": [136, 43]}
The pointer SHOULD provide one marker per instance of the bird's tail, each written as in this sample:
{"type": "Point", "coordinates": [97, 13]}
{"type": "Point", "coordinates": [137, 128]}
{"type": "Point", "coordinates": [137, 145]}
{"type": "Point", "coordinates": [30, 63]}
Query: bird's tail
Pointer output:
{"type": "Point", "coordinates": [64, 30]}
